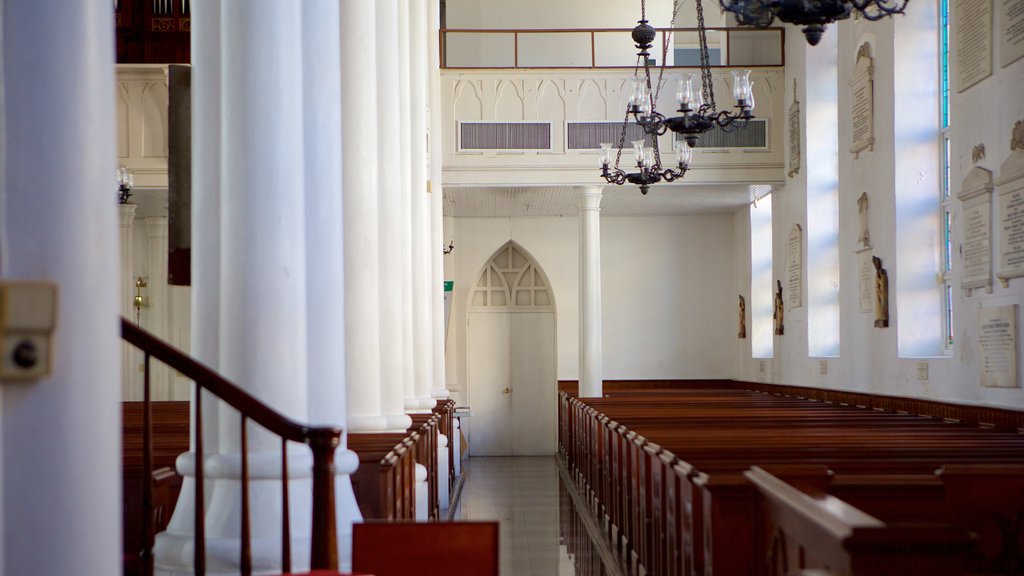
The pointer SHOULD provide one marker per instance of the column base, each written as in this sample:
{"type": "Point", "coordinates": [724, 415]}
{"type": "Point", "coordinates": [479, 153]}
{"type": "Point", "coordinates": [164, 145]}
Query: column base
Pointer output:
{"type": "Point", "coordinates": [367, 423]}
{"type": "Point", "coordinates": [174, 548]}
{"type": "Point", "coordinates": [398, 422]}
{"type": "Point", "coordinates": [440, 394]}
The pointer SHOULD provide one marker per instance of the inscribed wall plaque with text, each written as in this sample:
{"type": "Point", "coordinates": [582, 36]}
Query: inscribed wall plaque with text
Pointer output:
{"type": "Point", "coordinates": [973, 20]}
{"type": "Point", "coordinates": [976, 195]}
{"type": "Point", "coordinates": [997, 340]}
{"type": "Point", "coordinates": [794, 267]}
{"type": "Point", "coordinates": [1011, 31]}
{"type": "Point", "coordinates": [794, 135]}
{"type": "Point", "coordinates": [861, 92]}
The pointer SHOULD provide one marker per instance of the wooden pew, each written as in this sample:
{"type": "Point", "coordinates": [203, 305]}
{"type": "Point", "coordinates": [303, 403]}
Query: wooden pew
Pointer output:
{"type": "Point", "coordinates": [383, 483]}
{"type": "Point", "coordinates": [170, 429]}
{"type": "Point", "coordinates": [896, 449]}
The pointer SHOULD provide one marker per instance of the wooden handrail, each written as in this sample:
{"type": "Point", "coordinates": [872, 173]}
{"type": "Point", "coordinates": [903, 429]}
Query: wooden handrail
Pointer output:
{"type": "Point", "coordinates": [217, 385]}
{"type": "Point", "coordinates": [322, 441]}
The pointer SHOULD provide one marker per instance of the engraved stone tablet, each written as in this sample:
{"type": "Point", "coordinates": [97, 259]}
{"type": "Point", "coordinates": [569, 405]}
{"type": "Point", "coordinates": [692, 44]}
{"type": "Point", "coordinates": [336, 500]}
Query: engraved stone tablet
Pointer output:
{"type": "Point", "coordinates": [866, 276]}
{"type": "Point", "coordinates": [794, 267]}
{"type": "Point", "coordinates": [862, 98]}
{"type": "Point", "coordinates": [1011, 31]}
{"type": "Point", "coordinates": [794, 134]}
{"type": "Point", "coordinates": [973, 20]}
{"type": "Point", "coordinates": [1010, 191]}
{"type": "Point", "coordinates": [997, 340]}
{"type": "Point", "coordinates": [976, 195]}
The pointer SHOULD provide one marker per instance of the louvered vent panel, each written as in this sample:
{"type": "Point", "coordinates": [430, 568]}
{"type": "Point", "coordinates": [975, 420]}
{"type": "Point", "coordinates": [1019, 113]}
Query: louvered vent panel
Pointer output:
{"type": "Point", "coordinates": [505, 136]}
{"type": "Point", "coordinates": [590, 135]}
{"type": "Point", "coordinates": [753, 135]}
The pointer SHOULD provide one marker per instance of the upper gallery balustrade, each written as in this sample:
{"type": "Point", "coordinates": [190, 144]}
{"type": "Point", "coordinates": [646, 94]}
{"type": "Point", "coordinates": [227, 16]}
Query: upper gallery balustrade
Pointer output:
{"type": "Point", "coordinates": [607, 48]}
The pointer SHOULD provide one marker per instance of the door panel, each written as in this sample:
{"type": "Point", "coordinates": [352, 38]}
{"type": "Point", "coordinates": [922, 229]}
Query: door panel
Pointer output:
{"type": "Point", "coordinates": [533, 383]}
{"type": "Point", "coordinates": [490, 373]}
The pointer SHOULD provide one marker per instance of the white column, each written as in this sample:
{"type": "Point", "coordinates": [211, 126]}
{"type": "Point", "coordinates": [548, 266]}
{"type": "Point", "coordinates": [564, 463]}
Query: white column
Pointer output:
{"type": "Point", "coordinates": [405, 182]}
{"type": "Point", "coordinates": [61, 456]}
{"type": "Point", "coordinates": [423, 353]}
{"type": "Point", "coordinates": [392, 365]}
{"type": "Point", "coordinates": [360, 182]}
{"type": "Point", "coordinates": [130, 384]}
{"type": "Point", "coordinates": [262, 276]}
{"type": "Point", "coordinates": [156, 299]}
{"type": "Point", "coordinates": [439, 390]}
{"type": "Point", "coordinates": [171, 550]}
{"type": "Point", "coordinates": [325, 267]}
{"type": "Point", "coordinates": [591, 376]}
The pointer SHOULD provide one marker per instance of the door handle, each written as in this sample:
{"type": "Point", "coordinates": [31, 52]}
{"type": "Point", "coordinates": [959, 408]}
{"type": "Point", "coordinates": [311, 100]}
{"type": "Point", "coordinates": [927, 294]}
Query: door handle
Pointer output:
{"type": "Point", "coordinates": [508, 390]}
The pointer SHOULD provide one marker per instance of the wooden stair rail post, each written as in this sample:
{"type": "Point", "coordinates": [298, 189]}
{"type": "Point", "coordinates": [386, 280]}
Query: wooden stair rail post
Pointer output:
{"type": "Point", "coordinates": [324, 547]}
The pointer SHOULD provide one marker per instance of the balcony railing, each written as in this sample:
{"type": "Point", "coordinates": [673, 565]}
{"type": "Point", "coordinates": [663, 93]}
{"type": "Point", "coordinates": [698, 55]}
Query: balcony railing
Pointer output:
{"type": "Point", "coordinates": [607, 48]}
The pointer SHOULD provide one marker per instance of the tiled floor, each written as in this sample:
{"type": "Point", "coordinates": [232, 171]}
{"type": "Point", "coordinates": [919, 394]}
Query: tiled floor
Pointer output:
{"type": "Point", "coordinates": [522, 494]}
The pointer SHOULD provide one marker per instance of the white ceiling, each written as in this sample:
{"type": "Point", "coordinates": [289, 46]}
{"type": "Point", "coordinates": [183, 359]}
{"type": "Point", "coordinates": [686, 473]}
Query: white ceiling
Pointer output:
{"type": "Point", "coordinates": [491, 202]}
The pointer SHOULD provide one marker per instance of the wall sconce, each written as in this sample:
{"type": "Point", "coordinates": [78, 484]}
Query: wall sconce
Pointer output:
{"type": "Point", "coordinates": [139, 302]}
{"type": "Point", "coordinates": [449, 248]}
{"type": "Point", "coordinates": [125, 184]}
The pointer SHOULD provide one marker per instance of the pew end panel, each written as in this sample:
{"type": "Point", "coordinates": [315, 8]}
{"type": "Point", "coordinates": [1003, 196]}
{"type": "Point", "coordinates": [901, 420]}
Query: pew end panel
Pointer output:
{"type": "Point", "coordinates": [824, 533]}
{"type": "Point", "coordinates": [450, 548]}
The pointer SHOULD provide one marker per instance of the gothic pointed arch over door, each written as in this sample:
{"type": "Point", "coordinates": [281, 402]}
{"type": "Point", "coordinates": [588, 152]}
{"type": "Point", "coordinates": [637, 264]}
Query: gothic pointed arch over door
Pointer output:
{"type": "Point", "coordinates": [511, 353]}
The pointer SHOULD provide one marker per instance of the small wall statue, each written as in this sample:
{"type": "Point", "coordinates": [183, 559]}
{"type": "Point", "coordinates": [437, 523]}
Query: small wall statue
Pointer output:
{"type": "Point", "coordinates": [881, 294]}
{"type": "Point", "coordinates": [743, 317]}
{"type": "Point", "coordinates": [780, 327]}
{"type": "Point", "coordinates": [864, 235]}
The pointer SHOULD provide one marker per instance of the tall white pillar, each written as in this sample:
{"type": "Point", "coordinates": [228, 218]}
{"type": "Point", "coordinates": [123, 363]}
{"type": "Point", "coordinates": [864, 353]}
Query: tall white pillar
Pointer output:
{"type": "Point", "coordinates": [61, 456]}
{"type": "Point", "coordinates": [392, 366]}
{"type": "Point", "coordinates": [325, 267]}
{"type": "Point", "coordinates": [405, 172]}
{"type": "Point", "coordinates": [262, 311]}
{"type": "Point", "coordinates": [591, 376]}
{"type": "Point", "coordinates": [439, 390]}
{"type": "Point", "coordinates": [360, 182]}
{"type": "Point", "coordinates": [171, 550]}
{"type": "Point", "coordinates": [156, 300]}
{"type": "Point", "coordinates": [130, 384]}
{"type": "Point", "coordinates": [423, 353]}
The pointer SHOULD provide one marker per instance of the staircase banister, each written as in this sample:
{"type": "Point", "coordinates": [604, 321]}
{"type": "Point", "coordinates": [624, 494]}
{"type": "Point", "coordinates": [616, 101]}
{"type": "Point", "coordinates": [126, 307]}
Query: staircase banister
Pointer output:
{"type": "Point", "coordinates": [234, 396]}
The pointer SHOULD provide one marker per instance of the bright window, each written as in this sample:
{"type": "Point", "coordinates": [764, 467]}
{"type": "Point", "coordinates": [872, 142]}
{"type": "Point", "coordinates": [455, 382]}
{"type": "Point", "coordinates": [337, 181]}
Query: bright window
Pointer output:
{"type": "Point", "coordinates": [762, 288]}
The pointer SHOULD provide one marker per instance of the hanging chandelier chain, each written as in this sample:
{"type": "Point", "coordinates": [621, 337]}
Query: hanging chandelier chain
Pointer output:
{"type": "Point", "coordinates": [705, 61]}
{"type": "Point", "coordinates": [667, 41]}
{"type": "Point", "coordinates": [625, 121]}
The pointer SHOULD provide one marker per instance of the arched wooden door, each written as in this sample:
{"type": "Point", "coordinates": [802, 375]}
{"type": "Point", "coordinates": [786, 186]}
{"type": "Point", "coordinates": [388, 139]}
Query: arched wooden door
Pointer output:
{"type": "Point", "coordinates": [511, 341]}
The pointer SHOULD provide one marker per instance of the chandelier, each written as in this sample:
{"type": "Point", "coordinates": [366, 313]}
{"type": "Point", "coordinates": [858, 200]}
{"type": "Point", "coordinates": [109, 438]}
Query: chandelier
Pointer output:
{"type": "Point", "coordinates": [813, 15]}
{"type": "Point", "coordinates": [696, 104]}
{"type": "Point", "coordinates": [648, 161]}
{"type": "Point", "coordinates": [696, 99]}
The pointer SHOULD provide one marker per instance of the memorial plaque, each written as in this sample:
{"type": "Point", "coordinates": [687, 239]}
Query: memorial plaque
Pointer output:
{"type": "Point", "coordinates": [794, 135]}
{"type": "Point", "coordinates": [1011, 237]}
{"type": "Point", "coordinates": [973, 20]}
{"type": "Point", "coordinates": [861, 88]}
{"type": "Point", "coordinates": [866, 276]}
{"type": "Point", "coordinates": [1011, 31]}
{"type": "Point", "coordinates": [997, 340]}
{"type": "Point", "coordinates": [976, 195]}
{"type": "Point", "coordinates": [794, 267]}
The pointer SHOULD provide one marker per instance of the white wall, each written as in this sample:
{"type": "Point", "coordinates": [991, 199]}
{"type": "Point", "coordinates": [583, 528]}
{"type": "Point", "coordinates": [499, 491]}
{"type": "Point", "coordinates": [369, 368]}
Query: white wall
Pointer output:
{"type": "Point", "coordinates": [869, 360]}
{"type": "Point", "coordinates": [666, 290]}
